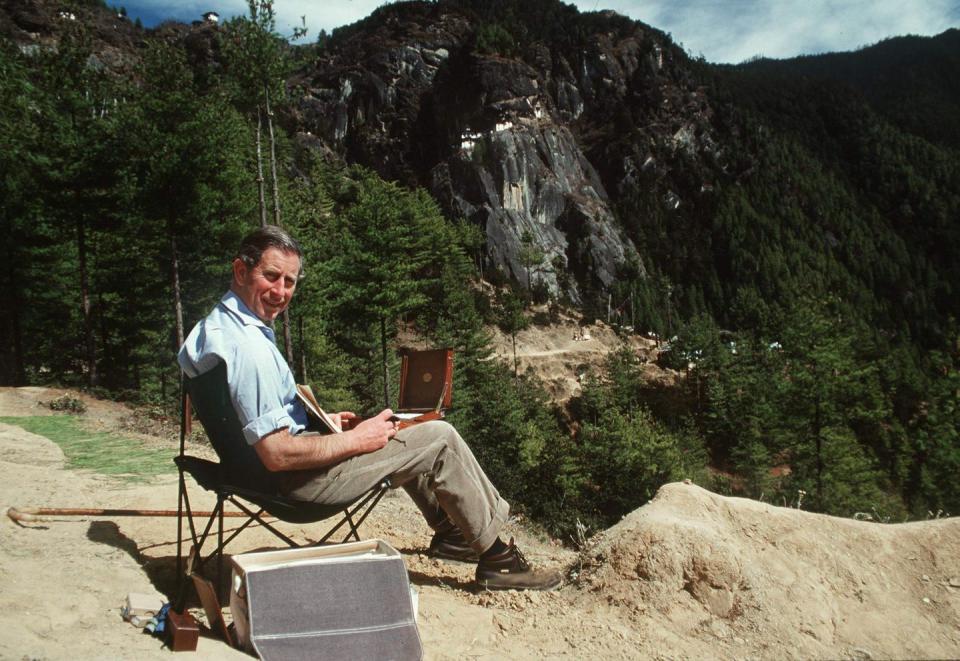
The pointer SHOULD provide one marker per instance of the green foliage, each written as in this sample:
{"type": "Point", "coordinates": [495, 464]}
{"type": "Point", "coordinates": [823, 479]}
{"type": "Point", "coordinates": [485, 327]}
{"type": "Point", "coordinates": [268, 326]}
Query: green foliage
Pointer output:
{"type": "Point", "coordinates": [932, 480]}
{"type": "Point", "coordinates": [512, 319]}
{"type": "Point", "coordinates": [379, 245]}
{"type": "Point", "coordinates": [255, 56]}
{"type": "Point", "coordinates": [808, 411]}
{"type": "Point", "coordinates": [110, 454]}
{"type": "Point", "coordinates": [624, 458]}
{"type": "Point", "coordinates": [508, 423]}
{"type": "Point", "coordinates": [621, 455]}
{"type": "Point", "coordinates": [68, 404]}
{"type": "Point", "coordinates": [494, 38]}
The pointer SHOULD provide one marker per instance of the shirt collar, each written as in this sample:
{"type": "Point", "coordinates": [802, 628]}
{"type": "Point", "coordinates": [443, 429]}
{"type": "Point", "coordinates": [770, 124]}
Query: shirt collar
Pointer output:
{"type": "Point", "coordinates": [233, 304]}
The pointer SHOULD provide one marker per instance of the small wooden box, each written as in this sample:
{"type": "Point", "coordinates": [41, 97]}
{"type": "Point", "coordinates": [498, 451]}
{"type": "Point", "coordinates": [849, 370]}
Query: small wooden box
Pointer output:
{"type": "Point", "coordinates": [426, 380]}
{"type": "Point", "coordinates": [184, 631]}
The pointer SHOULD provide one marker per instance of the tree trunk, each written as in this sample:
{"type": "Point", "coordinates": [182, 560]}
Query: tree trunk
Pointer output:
{"type": "Point", "coordinates": [177, 310]}
{"type": "Point", "coordinates": [287, 330]}
{"type": "Point", "coordinates": [260, 191]}
{"type": "Point", "coordinates": [91, 349]}
{"type": "Point", "coordinates": [819, 442]}
{"type": "Point", "coordinates": [108, 360]}
{"type": "Point", "coordinates": [386, 369]}
{"type": "Point", "coordinates": [303, 352]}
{"type": "Point", "coordinates": [273, 157]}
{"type": "Point", "coordinates": [516, 368]}
{"type": "Point", "coordinates": [19, 365]}
{"type": "Point", "coordinates": [175, 275]}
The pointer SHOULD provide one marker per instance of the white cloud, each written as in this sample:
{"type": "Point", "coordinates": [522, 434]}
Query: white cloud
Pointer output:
{"type": "Point", "coordinates": [720, 30]}
{"type": "Point", "coordinates": [734, 30]}
{"type": "Point", "coordinates": [325, 14]}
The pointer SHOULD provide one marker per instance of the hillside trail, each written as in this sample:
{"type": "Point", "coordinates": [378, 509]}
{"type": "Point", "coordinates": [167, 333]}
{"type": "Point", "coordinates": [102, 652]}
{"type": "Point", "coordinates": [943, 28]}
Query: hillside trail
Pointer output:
{"type": "Point", "coordinates": [689, 575]}
{"type": "Point", "coordinates": [563, 352]}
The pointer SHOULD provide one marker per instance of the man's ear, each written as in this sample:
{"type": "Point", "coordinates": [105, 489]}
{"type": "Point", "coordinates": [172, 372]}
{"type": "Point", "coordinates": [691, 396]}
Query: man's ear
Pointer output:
{"type": "Point", "coordinates": [239, 271]}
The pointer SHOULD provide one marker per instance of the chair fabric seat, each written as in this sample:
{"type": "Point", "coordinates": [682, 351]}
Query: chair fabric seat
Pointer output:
{"type": "Point", "coordinates": [208, 474]}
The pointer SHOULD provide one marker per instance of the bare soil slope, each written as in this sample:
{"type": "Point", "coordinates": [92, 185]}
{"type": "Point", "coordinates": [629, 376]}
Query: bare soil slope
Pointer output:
{"type": "Point", "coordinates": [772, 582]}
{"type": "Point", "coordinates": [561, 353]}
{"type": "Point", "coordinates": [690, 575]}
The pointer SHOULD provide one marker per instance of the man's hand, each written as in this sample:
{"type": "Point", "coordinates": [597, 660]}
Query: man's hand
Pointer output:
{"type": "Point", "coordinates": [280, 451]}
{"type": "Point", "coordinates": [346, 419]}
{"type": "Point", "coordinates": [373, 433]}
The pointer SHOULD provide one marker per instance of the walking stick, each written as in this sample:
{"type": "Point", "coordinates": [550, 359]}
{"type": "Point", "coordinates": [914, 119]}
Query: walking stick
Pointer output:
{"type": "Point", "coordinates": [35, 513]}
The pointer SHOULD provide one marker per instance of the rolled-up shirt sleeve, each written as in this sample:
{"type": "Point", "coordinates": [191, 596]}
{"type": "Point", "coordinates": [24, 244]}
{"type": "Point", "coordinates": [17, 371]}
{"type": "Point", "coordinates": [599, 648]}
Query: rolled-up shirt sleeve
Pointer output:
{"type": "Point", "coordinates": [258, 394]}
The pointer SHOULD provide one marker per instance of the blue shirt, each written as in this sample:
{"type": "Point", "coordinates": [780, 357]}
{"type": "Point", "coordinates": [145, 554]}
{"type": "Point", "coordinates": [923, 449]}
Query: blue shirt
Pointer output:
{"type": "Point", "coordinates": [262, 387]}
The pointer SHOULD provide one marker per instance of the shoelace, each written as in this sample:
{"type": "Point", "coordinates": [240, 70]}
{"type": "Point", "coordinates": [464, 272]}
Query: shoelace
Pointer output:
{"type": "Point", "coordinates": [521, 559]}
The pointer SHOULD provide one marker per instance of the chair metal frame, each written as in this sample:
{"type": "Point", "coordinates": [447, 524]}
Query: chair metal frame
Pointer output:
{"type": "Point", "coordinates": [210, 476]}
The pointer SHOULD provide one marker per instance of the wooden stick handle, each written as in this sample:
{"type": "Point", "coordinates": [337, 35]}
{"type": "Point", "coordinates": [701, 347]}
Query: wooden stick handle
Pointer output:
{"type": "Point", "coordinates": [35, 513]}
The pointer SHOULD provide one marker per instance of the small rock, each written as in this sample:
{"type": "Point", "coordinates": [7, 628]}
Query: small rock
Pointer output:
{"type": "Point", "coordinates": [926, 600]}
{"type": "Point", "coordinates": [925, 578]}
{"type": "Point", "coordinates": [862, 653]}
{"type": "Point", "coordinates": [738, 640]}
{"type": "Point", "coordinates": [954, 582]}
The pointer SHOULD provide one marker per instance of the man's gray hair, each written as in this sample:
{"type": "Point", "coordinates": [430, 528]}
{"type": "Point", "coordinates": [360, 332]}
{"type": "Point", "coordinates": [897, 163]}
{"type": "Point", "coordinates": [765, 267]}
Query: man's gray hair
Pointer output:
{"type": "Point", "coordinates": [256, 243]}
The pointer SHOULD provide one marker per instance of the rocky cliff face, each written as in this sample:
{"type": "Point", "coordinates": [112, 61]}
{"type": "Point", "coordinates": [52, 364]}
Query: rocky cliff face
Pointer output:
{"type": "Point", "coordinates": [525, 146]}
{"type": "Point", "coordinates": [34, 25]}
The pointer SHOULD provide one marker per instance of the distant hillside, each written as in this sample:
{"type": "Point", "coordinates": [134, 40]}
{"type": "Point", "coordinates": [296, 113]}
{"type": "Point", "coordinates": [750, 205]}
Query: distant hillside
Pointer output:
{"type": "Point", "coordinates": [597, 144]}
{"type": "Point", "coordinates": [914, 82]}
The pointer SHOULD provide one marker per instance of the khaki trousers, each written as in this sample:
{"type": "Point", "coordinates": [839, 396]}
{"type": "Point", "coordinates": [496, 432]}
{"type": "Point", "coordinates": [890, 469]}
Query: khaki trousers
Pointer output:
{"type": "Point", "coordinates": [433, 464]}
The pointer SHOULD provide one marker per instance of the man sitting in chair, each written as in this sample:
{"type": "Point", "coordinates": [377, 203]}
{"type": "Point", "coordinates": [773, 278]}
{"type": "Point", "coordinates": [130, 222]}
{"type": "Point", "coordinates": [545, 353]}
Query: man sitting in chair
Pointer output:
{"type": "Point", "coordinates": [429, 460]}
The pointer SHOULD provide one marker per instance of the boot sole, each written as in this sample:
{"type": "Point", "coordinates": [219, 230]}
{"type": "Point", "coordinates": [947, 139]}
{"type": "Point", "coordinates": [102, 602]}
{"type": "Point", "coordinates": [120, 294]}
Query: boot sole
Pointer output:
{"type": "Point", "coordinates": [467, 560]}
{"type": "Point", "coordinates": [548, 588]}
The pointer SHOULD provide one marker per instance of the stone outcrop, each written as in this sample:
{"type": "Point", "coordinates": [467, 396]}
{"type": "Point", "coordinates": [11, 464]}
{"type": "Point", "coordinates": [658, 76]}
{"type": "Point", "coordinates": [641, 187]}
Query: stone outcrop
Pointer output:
{"type": "Point", "coordinates": [528, 147]}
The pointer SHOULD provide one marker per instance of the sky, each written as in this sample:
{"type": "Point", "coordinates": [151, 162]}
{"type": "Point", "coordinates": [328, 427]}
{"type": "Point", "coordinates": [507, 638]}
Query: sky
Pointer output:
{"type": "Point", "coordinates": [722, 31]}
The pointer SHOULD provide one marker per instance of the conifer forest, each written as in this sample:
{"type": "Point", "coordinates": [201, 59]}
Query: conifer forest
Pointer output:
{"type": "Point", "coordinates": [794, 241]}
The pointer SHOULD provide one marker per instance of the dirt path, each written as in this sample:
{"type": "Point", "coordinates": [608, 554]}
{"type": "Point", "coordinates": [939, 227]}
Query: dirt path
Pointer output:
{"type": "Point", "coordinates": [561, 353]}
{"type": "Point", "coordinates": [690, 575]}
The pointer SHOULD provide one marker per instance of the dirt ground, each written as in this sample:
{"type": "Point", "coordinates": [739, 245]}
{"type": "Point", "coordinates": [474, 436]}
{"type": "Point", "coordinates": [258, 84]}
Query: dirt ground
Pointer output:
{"type": "Point", "coordinates": [689, 575]}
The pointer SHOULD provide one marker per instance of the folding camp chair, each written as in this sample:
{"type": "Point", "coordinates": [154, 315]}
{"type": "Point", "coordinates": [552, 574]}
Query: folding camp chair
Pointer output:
{"type": "Point", "coordinates": [238, 465]}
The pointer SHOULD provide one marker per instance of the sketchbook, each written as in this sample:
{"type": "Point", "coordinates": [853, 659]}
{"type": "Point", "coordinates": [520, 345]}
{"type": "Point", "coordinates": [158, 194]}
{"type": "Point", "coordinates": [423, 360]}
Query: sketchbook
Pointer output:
{"type": "Point", "coordinates": [426, 390]}
{"type": "Point", "coordinates": [314, 412]}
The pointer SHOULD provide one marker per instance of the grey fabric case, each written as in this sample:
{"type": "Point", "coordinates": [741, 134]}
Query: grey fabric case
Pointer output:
{"type": "Point", "coordinates": [350, 606]}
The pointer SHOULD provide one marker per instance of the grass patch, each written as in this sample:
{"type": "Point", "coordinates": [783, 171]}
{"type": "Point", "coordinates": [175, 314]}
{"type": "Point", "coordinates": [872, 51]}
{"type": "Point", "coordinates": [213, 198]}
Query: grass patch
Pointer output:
{"type": "Point", "coordinates": [103, 452]}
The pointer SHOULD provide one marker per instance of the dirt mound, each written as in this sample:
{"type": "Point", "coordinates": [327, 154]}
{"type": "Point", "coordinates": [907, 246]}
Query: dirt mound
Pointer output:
{"type": "Point", "coordinates": [763, 580]}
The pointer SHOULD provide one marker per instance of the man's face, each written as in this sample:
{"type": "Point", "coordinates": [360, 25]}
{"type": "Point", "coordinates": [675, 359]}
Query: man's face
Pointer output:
{"type": "Point", "coordinates": [267, 287]}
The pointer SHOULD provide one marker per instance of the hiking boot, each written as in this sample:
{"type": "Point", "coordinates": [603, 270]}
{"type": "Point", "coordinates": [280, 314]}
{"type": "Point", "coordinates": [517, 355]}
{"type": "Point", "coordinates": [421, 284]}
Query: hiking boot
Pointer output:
{"type": "Point", "coordinates": [451, 545]}
{"type": "Point", "coordinates": [511, 571]}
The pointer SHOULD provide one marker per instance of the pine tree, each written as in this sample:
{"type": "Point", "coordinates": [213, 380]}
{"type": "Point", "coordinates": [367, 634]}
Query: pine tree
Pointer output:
{"type": "Point", "coordinates": [372, 268]}
{"type": "Point", "coordinates": [18, 154]}
{"type": "Point", "coordinates": [78, 118]}
{"type": "Point", "coordinates": [258, 66]}
{"type": "Point", "coordinates": [827, 390]}
{"type": "Point", "coordinates": [187, 166]}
